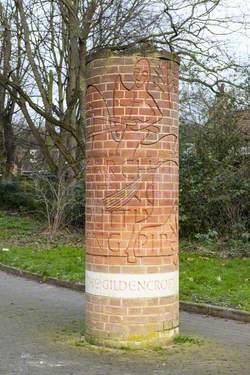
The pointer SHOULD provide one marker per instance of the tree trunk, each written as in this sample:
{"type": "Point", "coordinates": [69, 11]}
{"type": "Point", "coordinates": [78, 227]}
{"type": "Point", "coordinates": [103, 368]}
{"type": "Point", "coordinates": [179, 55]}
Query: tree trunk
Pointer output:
{"type": "Point", "coordinates": [2, 148]}
{"type": "Point", "coordinates": [10, 147]}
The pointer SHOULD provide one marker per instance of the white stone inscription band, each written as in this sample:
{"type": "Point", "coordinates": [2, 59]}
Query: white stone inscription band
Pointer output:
{"type": "Point", "coordinates": [117, 285]}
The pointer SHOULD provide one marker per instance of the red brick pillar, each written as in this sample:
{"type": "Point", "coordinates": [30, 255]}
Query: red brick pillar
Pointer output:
{"type": "Point", "coordinates": [132, 199]}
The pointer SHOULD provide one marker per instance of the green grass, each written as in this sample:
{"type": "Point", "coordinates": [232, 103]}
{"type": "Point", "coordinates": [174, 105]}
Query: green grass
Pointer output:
{"type": "Point", "coordinates": [209, 279]}
{"type": "Point", "coordinates": [62, 262]}
{"type": "Point", "coordinates": [24, 244]}
{"type": "Point", "coordinates": [16, 226]}
{"type": "Point", "coordinates": [181, 339]}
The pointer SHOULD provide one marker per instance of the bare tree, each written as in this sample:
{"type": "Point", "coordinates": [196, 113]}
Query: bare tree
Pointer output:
{"type": "Point", "coordinates": [7, 103]}
{"type": "Point", "coordinates": [55, 197]}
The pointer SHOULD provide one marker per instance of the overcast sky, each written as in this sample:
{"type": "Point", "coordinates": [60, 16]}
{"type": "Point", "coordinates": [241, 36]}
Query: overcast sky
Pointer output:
{"type": "Point", "coordinates": [238, 42]}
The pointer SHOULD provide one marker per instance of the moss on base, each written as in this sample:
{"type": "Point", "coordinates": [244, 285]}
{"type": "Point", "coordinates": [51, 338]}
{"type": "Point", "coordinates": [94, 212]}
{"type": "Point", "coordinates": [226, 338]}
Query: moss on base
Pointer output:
{"type": "Point", "coordinates": [150, 341]}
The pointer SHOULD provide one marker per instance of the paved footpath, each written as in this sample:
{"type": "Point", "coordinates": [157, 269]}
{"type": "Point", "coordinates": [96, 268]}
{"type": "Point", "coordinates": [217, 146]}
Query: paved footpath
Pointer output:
{"type": "Point", "coordinates": [39, 332]}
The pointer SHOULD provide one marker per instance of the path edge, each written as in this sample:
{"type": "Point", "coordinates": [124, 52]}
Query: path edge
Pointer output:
{"type": "Point", "coordinates": [42, 279]}
{"type": "Point", "coordinates": [216, 311]}
{"type": "Point", "coordinates": [191, 307]}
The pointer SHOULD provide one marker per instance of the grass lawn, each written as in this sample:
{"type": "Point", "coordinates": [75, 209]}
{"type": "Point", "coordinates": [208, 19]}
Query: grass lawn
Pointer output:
{"type": "Point", "coordinates": [13, 227]}
{"type": "Point", "coordinates": [209, 279]}
{"type": "Point", "coordinates": [203, 278]}
{"type": "Point", "coordinates": [63, 262]}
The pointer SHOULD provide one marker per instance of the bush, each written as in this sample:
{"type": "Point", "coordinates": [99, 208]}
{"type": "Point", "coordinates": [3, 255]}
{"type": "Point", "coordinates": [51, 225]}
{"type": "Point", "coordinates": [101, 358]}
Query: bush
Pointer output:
{"type": "Point", "coordinates": [75, 212]}
{"type": "Point", "coordinates": [215, 181]}
{"type": "Point", "coordinates": [17, 194]}
{"type": "Point", "coordinates": [32, 194]}
{"type": "Point", "coordinates": [60, 199]}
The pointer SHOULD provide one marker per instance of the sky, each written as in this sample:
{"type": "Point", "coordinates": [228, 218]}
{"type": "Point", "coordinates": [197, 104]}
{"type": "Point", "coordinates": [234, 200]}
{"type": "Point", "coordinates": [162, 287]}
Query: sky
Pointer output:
{"type": "Point", "coordinates": [239, 41]}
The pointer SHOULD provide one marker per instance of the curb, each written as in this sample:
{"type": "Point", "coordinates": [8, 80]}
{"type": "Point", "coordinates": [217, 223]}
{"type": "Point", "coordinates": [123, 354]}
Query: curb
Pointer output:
{"type": "Point", "coordinates": [42, 279]}
{"type": "Point", "coordinates": [191, 307]}
{"type": "Point", "coordinates": [216, 311]}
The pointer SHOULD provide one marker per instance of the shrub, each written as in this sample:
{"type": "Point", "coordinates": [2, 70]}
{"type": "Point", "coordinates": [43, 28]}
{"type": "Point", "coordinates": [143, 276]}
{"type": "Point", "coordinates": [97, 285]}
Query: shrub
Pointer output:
{"type": "Point", "coordinates": [215, 181]}
{"type": "Point", "coordinates": [16, 194]}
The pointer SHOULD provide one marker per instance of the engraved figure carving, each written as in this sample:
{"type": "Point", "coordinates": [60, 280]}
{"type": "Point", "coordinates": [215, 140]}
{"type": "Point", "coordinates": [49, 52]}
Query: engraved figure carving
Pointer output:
{"type": "Point", "coordinates": [133, 184]}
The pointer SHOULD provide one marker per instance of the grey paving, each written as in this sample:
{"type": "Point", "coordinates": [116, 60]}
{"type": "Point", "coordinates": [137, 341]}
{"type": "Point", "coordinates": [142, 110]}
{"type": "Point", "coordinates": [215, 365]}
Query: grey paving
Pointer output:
{"type": "Point", "coordinates": [41, 325]}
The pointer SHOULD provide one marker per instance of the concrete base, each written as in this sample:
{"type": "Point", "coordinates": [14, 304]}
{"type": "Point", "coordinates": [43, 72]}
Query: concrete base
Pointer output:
{"type": "Point", "coordinates": [153, 340]}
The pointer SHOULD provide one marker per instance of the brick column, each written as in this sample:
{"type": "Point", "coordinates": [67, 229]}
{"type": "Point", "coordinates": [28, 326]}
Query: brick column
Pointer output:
{"type": "Point", "coordinates": [132, 199]}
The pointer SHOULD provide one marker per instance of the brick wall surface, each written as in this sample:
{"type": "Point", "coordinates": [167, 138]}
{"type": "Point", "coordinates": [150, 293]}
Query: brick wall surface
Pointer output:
{"type": "Point", "coordinates": [132, 198]}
